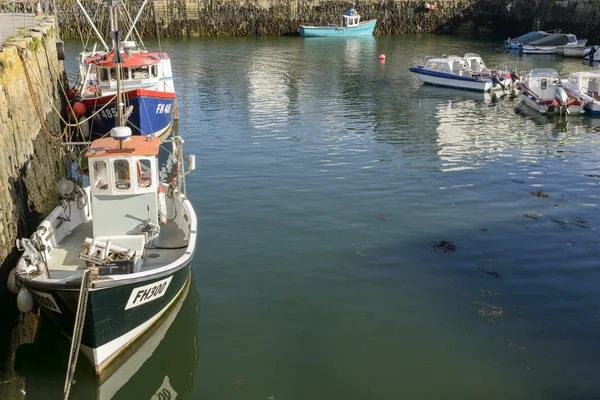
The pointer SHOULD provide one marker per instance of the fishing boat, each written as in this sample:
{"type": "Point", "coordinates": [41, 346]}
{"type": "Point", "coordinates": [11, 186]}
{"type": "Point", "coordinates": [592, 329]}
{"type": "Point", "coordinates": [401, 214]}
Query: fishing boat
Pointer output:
{"type": "Point", "coordinates": [115, 254]}
{"type": "Point", "coordinates": [468, 72]}
{"type": "Point", "coordinates": [351, 25]}
{"type": "Point", "coordinates": [542, 91]}
{"type": "Point", "coordinates": [511, 43]}
{"type": "Point", "coordinates": [586, 87]}
{"type": "Point", "coordinates": [552, 44]}
{"type": "Point", "coordinates": [146, 83]}
{"type": "Point", "coordinates": [159, 365]}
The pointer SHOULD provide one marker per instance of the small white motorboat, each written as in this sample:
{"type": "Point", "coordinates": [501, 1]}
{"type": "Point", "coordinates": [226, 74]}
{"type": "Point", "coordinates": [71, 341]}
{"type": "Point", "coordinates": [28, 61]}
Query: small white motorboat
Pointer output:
{"type": "Point", "coordinates": [586, 87]}
{"type": "Point", "coordinates": [542, 90]}
{"type": "Point", "coordinates": [468, 72]}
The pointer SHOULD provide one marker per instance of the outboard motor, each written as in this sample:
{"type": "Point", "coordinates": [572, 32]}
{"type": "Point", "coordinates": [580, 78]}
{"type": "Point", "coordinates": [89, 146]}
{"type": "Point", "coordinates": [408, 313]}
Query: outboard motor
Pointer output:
{"type": "Point", "coordinates": [496, 81]}
{"type": "Point", "coordinates": [562, 99]}
{"type": "Point", "coordinates": [520, 49]}
{"type": "Point", "coordinates": [514, 76]}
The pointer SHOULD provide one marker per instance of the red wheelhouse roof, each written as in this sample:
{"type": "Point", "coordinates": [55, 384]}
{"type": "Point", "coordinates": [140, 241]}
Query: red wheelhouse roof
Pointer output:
{"type": "Point", "coordinates": [131, 60]}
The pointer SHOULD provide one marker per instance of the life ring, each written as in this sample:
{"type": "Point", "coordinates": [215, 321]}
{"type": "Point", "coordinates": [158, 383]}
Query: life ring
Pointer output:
{"type": "Point", "coordinates": [162, 206]}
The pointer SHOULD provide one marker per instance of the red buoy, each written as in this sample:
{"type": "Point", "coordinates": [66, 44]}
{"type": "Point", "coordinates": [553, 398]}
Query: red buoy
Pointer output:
{"type": "Point", "coordinates": [431, 7]}
{"type": "Point", "coordinates": [79, 109]}
{"type": "Point", "coordinates": [70, 93]}
{"type": "Point", "coordinates": [382, 56]}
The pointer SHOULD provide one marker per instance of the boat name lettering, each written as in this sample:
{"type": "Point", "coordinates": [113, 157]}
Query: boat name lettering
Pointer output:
{"type": "Point", "coordinates": [46, 300]}
{"type": "Point", "coordinates": [144, 294]}
{"type": "Point", "coordinates": [165, 391]}
{"type": "Point", "coordinates": [163, 108]}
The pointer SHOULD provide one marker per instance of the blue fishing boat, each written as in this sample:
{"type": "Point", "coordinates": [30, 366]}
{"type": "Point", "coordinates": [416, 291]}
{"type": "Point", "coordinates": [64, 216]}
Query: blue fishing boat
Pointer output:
{"type": "Point", "coordinates": [351, 26]}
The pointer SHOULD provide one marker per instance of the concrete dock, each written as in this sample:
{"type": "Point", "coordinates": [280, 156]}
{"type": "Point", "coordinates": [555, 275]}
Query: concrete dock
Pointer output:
{"type": "Point", "coordinates": [11, 23]}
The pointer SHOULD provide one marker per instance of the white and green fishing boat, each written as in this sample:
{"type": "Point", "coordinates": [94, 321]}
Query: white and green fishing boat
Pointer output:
{"type": "Point", "coordinates": [114, 255]}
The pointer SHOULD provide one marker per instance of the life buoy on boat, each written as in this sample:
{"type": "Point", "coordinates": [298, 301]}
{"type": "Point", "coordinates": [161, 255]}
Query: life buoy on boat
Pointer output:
{"type": "Point", "coordinates": [162, 206]}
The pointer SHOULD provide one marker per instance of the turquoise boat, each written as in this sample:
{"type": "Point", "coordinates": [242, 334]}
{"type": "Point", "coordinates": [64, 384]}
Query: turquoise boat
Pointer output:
{"type": "Point", "coordinates": [351, 26]}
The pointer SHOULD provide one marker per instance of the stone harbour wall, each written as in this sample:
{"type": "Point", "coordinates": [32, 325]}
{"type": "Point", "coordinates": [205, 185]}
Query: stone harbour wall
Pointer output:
{"type": "Point", "coordinates": [280, 17]}
{"type": "Point", "coordinates": [29, 157]}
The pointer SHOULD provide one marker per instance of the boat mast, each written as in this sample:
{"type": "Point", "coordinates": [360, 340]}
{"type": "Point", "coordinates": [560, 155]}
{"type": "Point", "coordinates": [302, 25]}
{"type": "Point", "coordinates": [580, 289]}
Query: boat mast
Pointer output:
{"type": "Point", "coordinates": [135, 20]}
{"type": "Point", "coordinates": [92, 25]}
{"type": "Point", "coordinates": [114, 33]}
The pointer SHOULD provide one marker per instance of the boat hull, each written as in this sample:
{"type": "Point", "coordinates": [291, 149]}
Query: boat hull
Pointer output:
{"type": "Point", "coordinates": [362, 29]}
{"type": "Point", "coordinates": [549, 109]}
{"type": "Point", "coordinates": [578, 51]}
{"type": "Point", "coordinates": [593, 109]}
{"type": "Point", "coordinates": [116, 314]}
{"type": "Point", "coordinates": [457, 82]}
{"type": "Point", "coordinates": [152, 112]}
{"type": "Point", "coordinates": [539, 49]}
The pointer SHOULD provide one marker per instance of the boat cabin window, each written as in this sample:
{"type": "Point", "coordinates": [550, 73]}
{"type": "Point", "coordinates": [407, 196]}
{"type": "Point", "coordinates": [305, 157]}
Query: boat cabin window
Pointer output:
{"type": "Point", "coordinates": [144, 173]}
{"type": "Point", "coordinates": [435, 66]}
{"type": "Point", "coordinates": [573, 80]}
{"type": "Point", "coordinates": [124, 74]}
{"type": "Point", "coordinates": [154, 71]}
{"type": "Point", "coordinates": [100, 175]}
{"type": "Point", "coordinates": [140, 72]}
{"type": "Point", "coordinates": [122, 177]}
{"type": "Point", "coordinates": [104, 74]}
{"type": "Point", "coordinates": [461, 68]}
{"type": "Point", "coordinates": [544, 84]}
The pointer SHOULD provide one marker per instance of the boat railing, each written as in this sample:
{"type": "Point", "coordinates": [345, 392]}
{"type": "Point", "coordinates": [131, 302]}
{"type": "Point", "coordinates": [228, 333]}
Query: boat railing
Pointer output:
{"type": "Point", "coordinates": [427, 58]}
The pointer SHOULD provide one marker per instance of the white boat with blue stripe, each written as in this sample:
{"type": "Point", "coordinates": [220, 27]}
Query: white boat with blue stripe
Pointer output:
{"type": "Point", "coordinates": [468, 72]}
{"type": "Point", "coordinates": [586, 87]}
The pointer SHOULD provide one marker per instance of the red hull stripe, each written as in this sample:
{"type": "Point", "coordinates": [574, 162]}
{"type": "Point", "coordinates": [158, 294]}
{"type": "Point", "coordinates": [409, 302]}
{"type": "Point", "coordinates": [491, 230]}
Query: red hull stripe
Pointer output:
{"type": "Point", "coordinates": [130, 95]}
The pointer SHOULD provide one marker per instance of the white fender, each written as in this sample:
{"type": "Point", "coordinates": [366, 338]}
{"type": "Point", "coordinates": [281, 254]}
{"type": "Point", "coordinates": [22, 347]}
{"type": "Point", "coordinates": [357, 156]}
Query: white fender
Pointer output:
{"type": "Point", "coordinates": [162, 206]}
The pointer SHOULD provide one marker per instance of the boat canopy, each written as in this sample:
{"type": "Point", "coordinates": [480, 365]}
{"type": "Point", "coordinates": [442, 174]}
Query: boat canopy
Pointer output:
{"type": "Point", "coordinates": [544, 72]}
{"type": "Point", "coordinates": [556, 39]}
{"type": "Point", "coordinates": [531, 36]}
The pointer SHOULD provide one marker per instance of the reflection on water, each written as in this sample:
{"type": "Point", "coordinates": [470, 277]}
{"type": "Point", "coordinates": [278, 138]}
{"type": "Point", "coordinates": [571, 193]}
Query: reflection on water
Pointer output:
{"type": "Point", "coordinates": [160, 364]}
{"type": "Point", "coordinates": [329, 180]}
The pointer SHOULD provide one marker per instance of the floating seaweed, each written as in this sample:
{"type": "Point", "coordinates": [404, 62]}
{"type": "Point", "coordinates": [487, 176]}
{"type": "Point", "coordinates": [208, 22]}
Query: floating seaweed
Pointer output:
{"type": "Point", "coordinates": [488, 310]}
{"type": "Point", "coordinates": [495, 274]}
{"type": "Point", "coordinates": [577, 221]}
{"type": "Point", "coordinates": [517, 181]}
{"type": "Point", "coordinates": [238, 382]}
{"type": "Point", "coordinates": [516, 346]}
{"type": "Point", "coordinates": [444, 246]}
{"type": "Point", "coordinates": [581, 223]}
{"type": "Point", "coordinates": [539, 194]}
{"type": "Point", "coordinates": [561, 223]}
{"type": "Point", "coordinates": [382, 218]}
{"type": "Point", "coordinates": [530, 215]}
{"type": "Point", "coordinates": [489, 293]}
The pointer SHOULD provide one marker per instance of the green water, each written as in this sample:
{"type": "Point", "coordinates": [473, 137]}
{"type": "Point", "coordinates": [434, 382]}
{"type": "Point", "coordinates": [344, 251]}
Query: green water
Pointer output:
{"type": "Point", "coordinates": [323, 179]}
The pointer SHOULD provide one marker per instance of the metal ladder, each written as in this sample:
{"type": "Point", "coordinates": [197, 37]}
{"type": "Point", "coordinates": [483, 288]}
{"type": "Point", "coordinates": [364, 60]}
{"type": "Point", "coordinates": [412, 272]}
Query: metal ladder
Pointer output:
{"type": "Point", "coordinates": [86, 284]}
